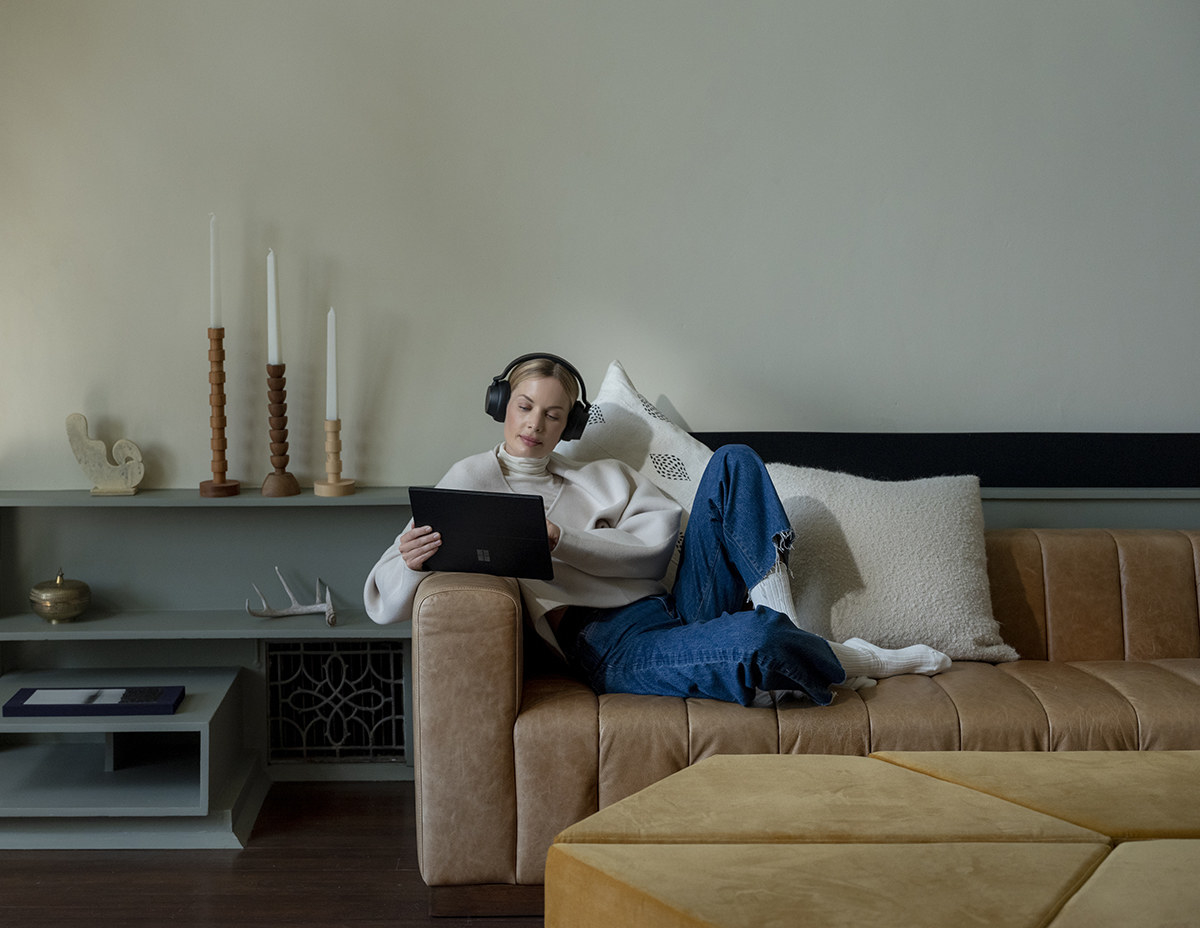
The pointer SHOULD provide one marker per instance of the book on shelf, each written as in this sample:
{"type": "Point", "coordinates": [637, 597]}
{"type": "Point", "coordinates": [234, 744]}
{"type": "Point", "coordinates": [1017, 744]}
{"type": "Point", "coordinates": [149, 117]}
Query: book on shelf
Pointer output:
{"type": "Point", "coordinates": [89, 701]}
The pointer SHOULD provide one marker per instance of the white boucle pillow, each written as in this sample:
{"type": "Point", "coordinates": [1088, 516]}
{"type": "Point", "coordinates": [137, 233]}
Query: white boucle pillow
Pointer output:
{"type": "Point", "coordinates": [894, 562]}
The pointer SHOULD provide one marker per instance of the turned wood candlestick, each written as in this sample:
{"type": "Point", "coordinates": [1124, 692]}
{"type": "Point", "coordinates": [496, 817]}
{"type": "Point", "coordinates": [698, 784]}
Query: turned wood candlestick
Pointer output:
{"type": "Point", "coordinates": [220, 485]}
{"type": "Point", "coordinates": [334, 483]}
{"type": "Point", "coordinates": [280, 482]}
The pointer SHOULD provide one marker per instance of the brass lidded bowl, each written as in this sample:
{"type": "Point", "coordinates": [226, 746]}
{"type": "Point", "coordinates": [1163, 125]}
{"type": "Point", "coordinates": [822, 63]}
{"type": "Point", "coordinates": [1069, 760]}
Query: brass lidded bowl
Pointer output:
{"type": "Point", "coordinates": [60, 600]}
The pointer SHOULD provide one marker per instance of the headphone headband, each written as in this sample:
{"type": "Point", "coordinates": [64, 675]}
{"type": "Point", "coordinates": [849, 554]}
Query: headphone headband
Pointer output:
{"type": "Point", "coordinates": [538, 356]}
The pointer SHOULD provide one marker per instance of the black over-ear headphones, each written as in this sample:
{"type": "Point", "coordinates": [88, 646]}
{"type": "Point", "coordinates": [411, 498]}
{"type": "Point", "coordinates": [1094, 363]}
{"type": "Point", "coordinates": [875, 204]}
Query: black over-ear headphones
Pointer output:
{"type": "Point", "coordinates": [498, 394]}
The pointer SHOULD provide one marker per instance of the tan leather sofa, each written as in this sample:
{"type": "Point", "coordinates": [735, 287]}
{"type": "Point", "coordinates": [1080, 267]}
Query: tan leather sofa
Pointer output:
{"type": "Point", "coordinates": [510, 751]}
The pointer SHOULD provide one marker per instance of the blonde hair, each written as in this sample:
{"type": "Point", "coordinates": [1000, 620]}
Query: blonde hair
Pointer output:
{"type": "Point", "coordinates": [541, 368]}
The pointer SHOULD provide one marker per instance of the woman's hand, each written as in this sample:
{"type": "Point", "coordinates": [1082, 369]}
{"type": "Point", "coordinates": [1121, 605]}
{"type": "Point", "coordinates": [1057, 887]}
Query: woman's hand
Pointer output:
{"type": "Point", "coordinates": [553, 533]}
{"type": "Point", "coordinates": [418, 545]}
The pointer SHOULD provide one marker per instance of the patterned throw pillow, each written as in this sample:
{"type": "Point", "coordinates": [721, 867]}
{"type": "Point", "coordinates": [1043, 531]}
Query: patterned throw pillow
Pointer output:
{"type": "Point", "coordinates": [625, 425]}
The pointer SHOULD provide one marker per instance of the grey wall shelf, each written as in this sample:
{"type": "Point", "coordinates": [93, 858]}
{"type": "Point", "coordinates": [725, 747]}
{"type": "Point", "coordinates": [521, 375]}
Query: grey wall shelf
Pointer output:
{"type": "Point", "coordinates": [249, 498]}
{"type": "Point", "coordinates": [197, 625]}
{"type": "Point", "coordinates": [173, 550]}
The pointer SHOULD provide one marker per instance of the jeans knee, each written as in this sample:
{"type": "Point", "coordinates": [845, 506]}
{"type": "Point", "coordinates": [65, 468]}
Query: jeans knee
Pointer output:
{"type": "Point", "coordinates": [733, 455]}
{"type": "Point", "coordinates": [739, 464]}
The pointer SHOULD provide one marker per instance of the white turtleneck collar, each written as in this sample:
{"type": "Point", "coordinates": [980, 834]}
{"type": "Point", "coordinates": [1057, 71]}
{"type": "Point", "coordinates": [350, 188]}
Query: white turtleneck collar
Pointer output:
{"type": "Point", "coordinates": [526, 467]}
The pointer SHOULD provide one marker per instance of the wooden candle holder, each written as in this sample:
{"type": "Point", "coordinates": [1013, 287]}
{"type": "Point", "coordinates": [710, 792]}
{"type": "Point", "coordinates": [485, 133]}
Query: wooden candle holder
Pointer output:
{"type": "Point", "coordinates": [220, 485]}
{"type": "Point", "coordinates": [280, 482]}
{"type": "Point", "coordinates": [334, 483]}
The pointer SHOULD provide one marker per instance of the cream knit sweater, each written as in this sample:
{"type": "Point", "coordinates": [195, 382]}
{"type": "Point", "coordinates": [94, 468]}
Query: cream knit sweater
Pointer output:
{"type": "Point", "coordinates": [618, 534]}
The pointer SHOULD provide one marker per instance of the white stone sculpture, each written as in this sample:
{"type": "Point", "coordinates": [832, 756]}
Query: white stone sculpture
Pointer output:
{"type": "Point", "coordinates": [108, 478]}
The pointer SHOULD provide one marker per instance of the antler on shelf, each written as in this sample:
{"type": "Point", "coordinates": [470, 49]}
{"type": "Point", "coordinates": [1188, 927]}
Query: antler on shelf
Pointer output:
{"type": "Point", "coordinates": [296, 608]}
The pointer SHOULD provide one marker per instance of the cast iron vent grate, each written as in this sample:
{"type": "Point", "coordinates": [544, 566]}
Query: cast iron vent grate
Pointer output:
{"type": "Point", "coordinates": [336, 701]}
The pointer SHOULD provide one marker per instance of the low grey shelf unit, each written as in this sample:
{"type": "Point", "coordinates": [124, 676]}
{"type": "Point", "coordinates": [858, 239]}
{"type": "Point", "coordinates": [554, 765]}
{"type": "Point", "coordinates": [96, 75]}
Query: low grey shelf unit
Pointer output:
{"type": "Point", "coordinates": [179, 780]}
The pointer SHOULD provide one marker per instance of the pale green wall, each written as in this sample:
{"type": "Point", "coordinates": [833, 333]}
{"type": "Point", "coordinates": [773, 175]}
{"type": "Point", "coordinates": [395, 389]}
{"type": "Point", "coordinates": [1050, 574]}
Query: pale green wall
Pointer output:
{"type": "Point", "coordinates": [970, 214]}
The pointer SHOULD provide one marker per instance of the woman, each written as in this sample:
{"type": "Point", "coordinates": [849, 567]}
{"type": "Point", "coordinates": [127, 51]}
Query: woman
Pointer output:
{"type": "Point", "coordinates": [612, 533]}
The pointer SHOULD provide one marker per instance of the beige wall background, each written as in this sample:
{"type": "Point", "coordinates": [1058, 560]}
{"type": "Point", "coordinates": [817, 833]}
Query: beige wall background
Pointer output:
{"type": "Point", "coordinates": [892, 215]}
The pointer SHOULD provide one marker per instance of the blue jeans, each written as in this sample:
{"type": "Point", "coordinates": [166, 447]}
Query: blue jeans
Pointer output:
{"type": "Point", "coordinates": [704, 639]}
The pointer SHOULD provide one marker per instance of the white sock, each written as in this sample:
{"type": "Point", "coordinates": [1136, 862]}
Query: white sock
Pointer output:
{"type": "Point", "coordinates": [862, 659]}
{"type": "Point", "coordinates": [775, 591]}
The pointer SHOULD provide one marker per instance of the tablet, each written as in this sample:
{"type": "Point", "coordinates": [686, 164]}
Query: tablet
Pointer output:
{"type": "Point", "coordinates": [485, 533]}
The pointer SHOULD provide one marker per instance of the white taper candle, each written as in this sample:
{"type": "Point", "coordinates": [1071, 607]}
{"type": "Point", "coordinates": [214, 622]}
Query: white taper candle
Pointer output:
{"type": "Point", "coordinates": [331, 397]}
{"type": "Point", "coordinates": [214, 275]}
{"type": "Point", "coordinates": [273, 356]}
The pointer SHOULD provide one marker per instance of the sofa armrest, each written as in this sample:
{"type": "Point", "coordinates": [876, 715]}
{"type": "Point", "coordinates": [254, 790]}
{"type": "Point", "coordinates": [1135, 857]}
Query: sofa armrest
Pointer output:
{"type": "Point", "coordinates": [467, 679]}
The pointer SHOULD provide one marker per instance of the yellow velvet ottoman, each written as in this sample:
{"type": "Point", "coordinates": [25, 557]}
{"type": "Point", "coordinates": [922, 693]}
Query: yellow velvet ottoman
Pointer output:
{"type": "Point", "coordinates": [761, 840]}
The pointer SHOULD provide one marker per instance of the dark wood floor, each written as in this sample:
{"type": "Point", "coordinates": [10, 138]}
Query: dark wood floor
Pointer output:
{"type": "Point", "coordinates": [322, 854]}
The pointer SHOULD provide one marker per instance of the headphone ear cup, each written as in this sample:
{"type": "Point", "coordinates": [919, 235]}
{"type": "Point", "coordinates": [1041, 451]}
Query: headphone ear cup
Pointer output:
{"type": "Point", "coordinates": [496, 402]}
{"type": "Point", "coordinates": [577, 419]}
